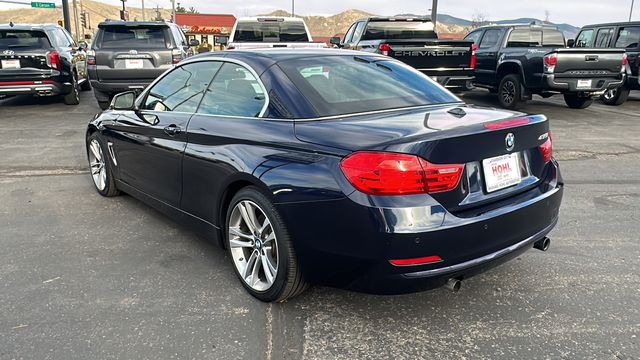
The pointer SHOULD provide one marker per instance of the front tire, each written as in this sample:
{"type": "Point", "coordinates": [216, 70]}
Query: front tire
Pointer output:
{"type": "Point", "coordinates": [100, 167]}
{"type": "Point", "coordinates": [509, 92]}
{"type": "Point", "coordinates": [576, 102]}
{"type": "Point", "coordinates": [615, 97]}
{"type": "Point", "coordinates": [261, 249]}
{"type": "Point", "coordinates": [86, 85]}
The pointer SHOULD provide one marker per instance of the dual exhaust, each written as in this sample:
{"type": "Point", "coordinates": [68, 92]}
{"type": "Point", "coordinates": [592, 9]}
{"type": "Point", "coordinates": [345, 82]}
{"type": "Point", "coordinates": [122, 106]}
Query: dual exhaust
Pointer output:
{"type": "Point", "coordinates": [454, 284]}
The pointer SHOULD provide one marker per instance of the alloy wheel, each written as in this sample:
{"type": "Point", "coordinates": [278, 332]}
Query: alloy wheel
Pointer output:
{"type": "Point", "coordinates": [98, 167]}
{"type": "Point", "coordinates": [508, 92]}
{"type": "Point", "coordinates": [610, 94]}
{"type": "Point", "coordinates": [253, 245]}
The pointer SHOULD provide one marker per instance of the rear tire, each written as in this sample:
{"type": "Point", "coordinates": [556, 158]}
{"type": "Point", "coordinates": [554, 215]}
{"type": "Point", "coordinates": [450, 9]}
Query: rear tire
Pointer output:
{"type": "Point", "coordinates": [86, 85]}
{"type": "Point", "coordinates": [73, 97]}
{"type": "Point", "coordinates": [576, 102]}
{"type": "Point", "coordinates": [100, 167]}
{"type": "Point", "coordinates": [615, 97]}
{"type": "Point", "coordinates": [509, 91]}
{"type": "Point", "coordinates": [254, 249]}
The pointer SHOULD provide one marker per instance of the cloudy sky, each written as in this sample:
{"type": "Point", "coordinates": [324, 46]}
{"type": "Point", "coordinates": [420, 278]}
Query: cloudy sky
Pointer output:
{"type": "Point", "coordinates": [575, 12]}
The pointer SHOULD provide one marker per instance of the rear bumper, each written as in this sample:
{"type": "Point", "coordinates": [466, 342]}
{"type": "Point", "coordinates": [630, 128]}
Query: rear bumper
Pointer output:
{"type": "Point", "coordinates": [118, 87]}
{"type": "Point", "coordinates": [39, 88]}
{"type": "Point", "coordinates": [344, 244]}
{"type": "Point", "coordinates": [570, 85]}
{"type": "Point", "coordinates": [450, 78]}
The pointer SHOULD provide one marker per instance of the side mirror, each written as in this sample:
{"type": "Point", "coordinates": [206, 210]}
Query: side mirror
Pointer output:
{"type": "Point", "coordinates": [124, 101]}
{"type": "Point", "coordinates": [194, 42]}
{"type": "Point", "coordinates": [335, 41]}
{"type": "Point", "coordinates": [82, 45]}
{"type": "Point", "coordinates": [223, 40]}
{"type": "Point", "coordinates": [571, 43]}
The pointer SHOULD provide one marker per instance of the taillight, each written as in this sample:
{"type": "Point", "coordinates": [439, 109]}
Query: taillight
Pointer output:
{"type": "Point", "coordinates": [473, 56]}
{"type": "Point", "coordinates": [382, 173]}
{"type": "Point", "coordinates": [176, 56]}
{"type": "Point", "coordinates": [503, 124]}
{"type": "Point", "coordinates": [550, 62]}
{"type": "Point", "coordinates": [53, 60]}
{"type": "Point", "coordinates": [546, 149]}
{"type": "Point", "coordinates": [384, 49]}
{"type": "Point", "coordinates": [91, 57]}
{"type": "Point", "coordinates": [416, 261]}
{"type": "Point", "coordinates": [625, 61]}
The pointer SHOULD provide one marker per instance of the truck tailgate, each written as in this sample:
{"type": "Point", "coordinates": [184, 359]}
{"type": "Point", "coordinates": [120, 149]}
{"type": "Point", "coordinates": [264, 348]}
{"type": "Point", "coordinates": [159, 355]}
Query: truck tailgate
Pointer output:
{"type": "Point", "coordinates": [588, 63]}
{"type": "Point", "coordinates": [432, 53]}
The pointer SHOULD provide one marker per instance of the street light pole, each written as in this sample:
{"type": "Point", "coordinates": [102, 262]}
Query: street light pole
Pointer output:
{"type": "Point", "coordinates": [65, 15]}
{"type": "Point", "coordinates": [434, 12]}
{"type": "Point", "coordinates": [143, 17]}
{"type": "Point", "coordinates": [293, 8]}
{"type": "Point", "coordinates": [631, 11]}
{"type": "Point", "coordinates": [173, 11]}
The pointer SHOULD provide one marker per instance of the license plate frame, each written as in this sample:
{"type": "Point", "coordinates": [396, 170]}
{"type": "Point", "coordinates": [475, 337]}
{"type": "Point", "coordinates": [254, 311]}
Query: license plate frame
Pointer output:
{"type": "Point", "coordinates": [501, 172]}
{"type": "Point", "coordinates": [134, 63]}
{"type": "Point", "coordinates": [584, 84]}
{"type": "Point", "coordinates": [10, 64]}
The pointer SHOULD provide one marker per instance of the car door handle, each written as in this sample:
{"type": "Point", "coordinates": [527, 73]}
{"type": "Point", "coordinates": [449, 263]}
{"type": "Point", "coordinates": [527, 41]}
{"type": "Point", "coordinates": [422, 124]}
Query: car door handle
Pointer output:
{"type": "Point", "coordinates": [172, 130]}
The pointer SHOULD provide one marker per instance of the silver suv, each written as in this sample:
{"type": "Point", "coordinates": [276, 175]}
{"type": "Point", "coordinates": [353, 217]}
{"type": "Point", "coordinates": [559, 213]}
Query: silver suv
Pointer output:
{"type": "Point", "coordinates": [129, 55]}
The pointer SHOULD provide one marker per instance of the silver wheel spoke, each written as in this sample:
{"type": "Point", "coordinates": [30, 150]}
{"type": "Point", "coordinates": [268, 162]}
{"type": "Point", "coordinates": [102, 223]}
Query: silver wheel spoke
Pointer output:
{"type": "Point", "coordinates": [237, 232]}
{"type": "Point", "coordinates": [235, 243]}
{"type": "Point", "coordinates": [269, 272]}
{"type": "Point", "coordinates": [248, 215]}
{"type": "Point", "coordinates": [250, 265]}
{"type": "Point", "coordinates": [270, 238]}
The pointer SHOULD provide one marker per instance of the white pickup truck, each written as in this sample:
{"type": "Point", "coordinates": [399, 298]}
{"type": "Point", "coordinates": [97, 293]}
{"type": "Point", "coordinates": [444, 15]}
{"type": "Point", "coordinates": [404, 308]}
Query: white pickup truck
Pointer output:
{"type": "Point", "coordinates": [271, 32]}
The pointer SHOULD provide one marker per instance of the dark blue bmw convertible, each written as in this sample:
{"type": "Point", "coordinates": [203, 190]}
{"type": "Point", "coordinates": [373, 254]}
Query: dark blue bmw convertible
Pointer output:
{"type": "Point", "coordinates": [339, 168]}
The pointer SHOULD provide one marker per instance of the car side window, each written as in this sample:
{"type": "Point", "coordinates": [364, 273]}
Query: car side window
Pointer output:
{"type": "Point", "coordinates": [59, 39]}
{"type": "Point", "coordinates": [358, 31]}
{"type": "Point", "coordinates": [628, 37]}
{"type": "Point", "coordinates": [603, 38]}
{"type": "Point", "coordinates": [349, 34]}
{"type": "Point", "coordinates": [234, 91]}
{"type": "Point", "coordinates": [70, 40]}
{"type": "Point", "coordinates": [474, 37]}
{"type": "Point", "coordinates": [490, 39]}
{"type": "Point", "coordinates": [182, 89]}
{"type": "Point", "coordinates": [584, 39]}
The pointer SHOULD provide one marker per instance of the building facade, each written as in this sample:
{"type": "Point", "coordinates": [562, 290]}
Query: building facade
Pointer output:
{"type": "Point", "coordinates": [206, 28]}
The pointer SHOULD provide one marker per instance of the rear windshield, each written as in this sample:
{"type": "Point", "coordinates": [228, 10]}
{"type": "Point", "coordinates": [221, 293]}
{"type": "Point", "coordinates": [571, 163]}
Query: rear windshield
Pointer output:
{"type": "Point", "coordinates": [628, 37]}
{"type": "Point", "coordinates": [13, 39]}
{"type": "Point", "coordinates": [533, 38]}
{"type": "Point", "coordinates": [270, 31]}
{"type": "Point", "coordinates": [399, 30]}
{"type": "Point", "coordinates": [337, 85]}
{"type": "Point", "coordinates": [135, 37]}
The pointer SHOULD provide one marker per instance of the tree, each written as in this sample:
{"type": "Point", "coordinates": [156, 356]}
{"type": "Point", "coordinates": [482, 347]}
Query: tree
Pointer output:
{"type": "Point", "coordinates": [478, 19]}
{"type": "Point", "coordinates": [182, 10]}
{"type": "Point", "coordinates": [547, 14]}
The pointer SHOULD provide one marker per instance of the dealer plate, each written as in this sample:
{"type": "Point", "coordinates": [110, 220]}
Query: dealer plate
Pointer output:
{"type": "Point", "coordinates": [11, 64]}
{"type": "Point", "coordinates": [584, 84]}
{"type": "Point", "coordinates": [501, 172]}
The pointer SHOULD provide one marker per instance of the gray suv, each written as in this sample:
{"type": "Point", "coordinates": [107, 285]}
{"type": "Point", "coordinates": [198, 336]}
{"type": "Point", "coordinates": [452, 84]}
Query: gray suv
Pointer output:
{"type": "Point", "coordinates": [129, 55]}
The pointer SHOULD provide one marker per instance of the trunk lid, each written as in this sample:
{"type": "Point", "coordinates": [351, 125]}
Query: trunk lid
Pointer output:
{"type": "Point", "coordinates": [579, 62]}
{"type": "Point", "coordinates": [432, 53]}
{"type": "Point", "coordinates": [23, 54]}
{"type": "Point", "coordinates": [452, 134]}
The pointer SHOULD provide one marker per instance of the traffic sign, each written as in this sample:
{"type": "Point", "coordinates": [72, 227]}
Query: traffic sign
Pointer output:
{"type": "Point", "coordinates": [43, 5]}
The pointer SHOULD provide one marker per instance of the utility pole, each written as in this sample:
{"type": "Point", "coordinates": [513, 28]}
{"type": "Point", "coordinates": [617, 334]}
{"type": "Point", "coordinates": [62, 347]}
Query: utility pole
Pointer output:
{"type": "Point", "coordinates": [124, 11]}
{"type": "Point", "coordinates": [631, 11]}
{"type": "Point", "coordinates": [434, 12]}
{"type": "Point", "coordinates": [143, 17]}
{"type": "Point", "coordinates": [173, 11]}
{"type": "Point", "coordinates": [75, 19]}
{"type": "Point", "coordinates": [293, 8]}
{"type": "Point", "coordinates": [65, 15]}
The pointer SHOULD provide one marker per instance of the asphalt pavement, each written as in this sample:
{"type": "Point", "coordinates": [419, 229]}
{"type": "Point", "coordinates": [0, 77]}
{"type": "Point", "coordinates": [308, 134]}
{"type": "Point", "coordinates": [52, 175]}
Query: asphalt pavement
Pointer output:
{"type": "Point", "coordinates": [85, 277]}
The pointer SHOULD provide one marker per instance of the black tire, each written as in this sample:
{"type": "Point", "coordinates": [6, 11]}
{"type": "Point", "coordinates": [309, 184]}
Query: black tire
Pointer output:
{"type": "Point", "coordinates": [86, 86]}
{"type": "Point", "coordinates": [73, 97]}
{"type": "Point", "coordinates": [576, 102]}
{"type": "Point", "coordinates": [289, 281]}
{"type": "Point", "coordinates": [615, 97]}
{"type": "Point", "coordinates": [509, 91]}
{"type": "Point", "coordinates": [110, 189]}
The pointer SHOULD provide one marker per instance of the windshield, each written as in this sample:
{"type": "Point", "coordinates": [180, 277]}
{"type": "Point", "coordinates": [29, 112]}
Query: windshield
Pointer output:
{"type": "Point", "coordinates": [270, 31]}
{"type": "Point", "coordinates": [12, 39]}
{"type": "Point", "coordinates": [135, 37]}
{"type": "Point", "coordinates": [399, 30]}
{"type": "Point", "coordinates": [337, 85]}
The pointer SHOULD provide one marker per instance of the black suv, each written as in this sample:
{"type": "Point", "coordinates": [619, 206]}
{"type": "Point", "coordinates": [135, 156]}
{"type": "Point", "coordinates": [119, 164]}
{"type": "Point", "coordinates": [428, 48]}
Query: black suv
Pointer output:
{"type": "Point", "coordinates": [129, 55]}
{"type": "Point", "coordinates": [517, 61]}
{"type": "Point", "coordinates": [622, 35]}
{"type": "Point", "coordinates": [41, 60]}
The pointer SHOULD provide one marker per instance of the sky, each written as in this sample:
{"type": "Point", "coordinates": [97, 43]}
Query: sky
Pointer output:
{"type": "Point", "coordinates": [575, 12]}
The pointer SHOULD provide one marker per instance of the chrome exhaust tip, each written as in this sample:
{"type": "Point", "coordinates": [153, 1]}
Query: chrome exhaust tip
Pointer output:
{"type": "Point", "coordinates": [542, 244]}
{"type": "Point", "coordinates": [453, 285]}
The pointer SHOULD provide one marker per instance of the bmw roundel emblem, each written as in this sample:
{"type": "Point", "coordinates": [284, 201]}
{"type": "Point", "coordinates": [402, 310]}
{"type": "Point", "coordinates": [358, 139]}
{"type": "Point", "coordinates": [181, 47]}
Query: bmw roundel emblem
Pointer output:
{"type": "Point", "coordinates": [510, 141]}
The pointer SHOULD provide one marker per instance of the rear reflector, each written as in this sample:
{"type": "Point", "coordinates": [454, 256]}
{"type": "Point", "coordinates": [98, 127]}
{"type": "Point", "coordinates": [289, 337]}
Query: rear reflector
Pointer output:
{"type": "Point", "coordinates": [10, 83]}
{"type": "Point", "coordinates": [416, 261]}
{"type": "Point", "coordinates": [506, 123]}
{"type": "Point", "coordinates": [383, 173]}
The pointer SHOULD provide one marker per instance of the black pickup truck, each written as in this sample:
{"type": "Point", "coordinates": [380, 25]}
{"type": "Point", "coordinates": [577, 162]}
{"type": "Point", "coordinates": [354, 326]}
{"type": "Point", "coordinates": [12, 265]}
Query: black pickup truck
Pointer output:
{"type": "Point", "coordinates": [517, 61]}
{"type": "Point", "coordinates": [41, 60]}
{"type": "Point", "coordinates": [621, 35]}
{"type": "Point", "coordinates": [413, 40]}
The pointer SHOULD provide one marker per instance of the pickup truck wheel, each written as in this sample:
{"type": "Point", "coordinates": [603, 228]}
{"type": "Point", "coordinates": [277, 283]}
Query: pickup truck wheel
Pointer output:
{"type": "Point", "coordinates": [576, 102]}
{"type": "Point", "coordinates": [615, 97]}
{"type": "Point", "coordinates": [509, 91]}
{"type": "Point", "coordinates": [73, 97]}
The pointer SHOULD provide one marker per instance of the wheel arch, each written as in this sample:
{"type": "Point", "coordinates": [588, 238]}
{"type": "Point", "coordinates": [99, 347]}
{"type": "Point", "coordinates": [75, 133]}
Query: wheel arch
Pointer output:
{"type": "Point", "coordinates": [510, 67]}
